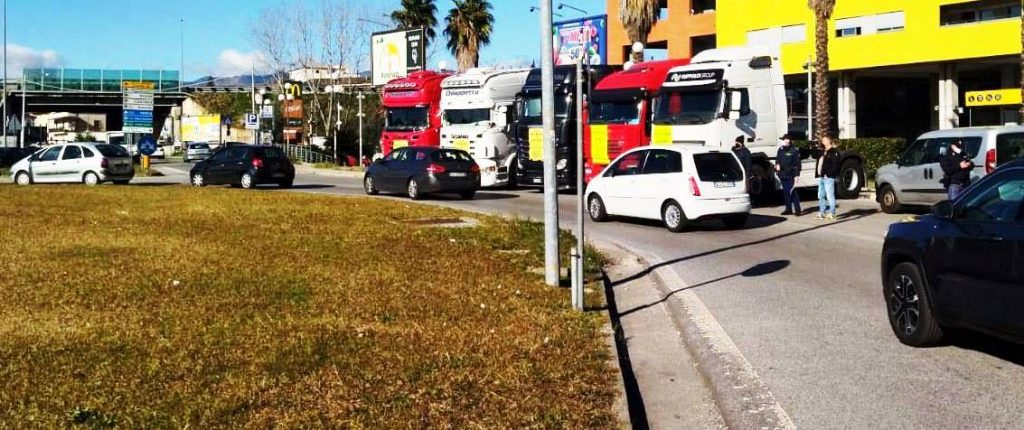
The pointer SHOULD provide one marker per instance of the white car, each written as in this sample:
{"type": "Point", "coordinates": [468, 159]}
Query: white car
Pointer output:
{"type": "Point", "coordinates": [676, 184]}
{"type": "Point", "coordinates": [159, 153]}
{"type": "Point", "coordinates": [88, 163]}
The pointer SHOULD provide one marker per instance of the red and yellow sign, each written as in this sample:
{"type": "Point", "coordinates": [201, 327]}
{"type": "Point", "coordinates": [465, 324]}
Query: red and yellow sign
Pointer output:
{"type": "Point", "coordinates": [599, 144]}
{"type": "Point", "coordinates": [661, 135]}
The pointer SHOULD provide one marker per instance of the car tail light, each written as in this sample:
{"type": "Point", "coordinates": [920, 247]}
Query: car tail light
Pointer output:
{"type": "Point", "coordinates": [435, 169]}
{"type": "Point", "coordinates": [257, 163]}
{"type": "Point", "coordinates": [475, 168]}
{"type": "Point", "coordinates": [990, 161]}
{"type": "Point", "coordinates": [694, 188]}
{"type": "Point", "coordinates": [103, 163]}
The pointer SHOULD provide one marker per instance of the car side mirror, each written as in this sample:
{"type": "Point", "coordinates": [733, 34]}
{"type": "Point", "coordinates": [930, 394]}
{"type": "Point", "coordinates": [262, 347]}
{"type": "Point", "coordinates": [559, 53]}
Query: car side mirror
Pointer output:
{"type": "Point", "coordinates": [943, 209]}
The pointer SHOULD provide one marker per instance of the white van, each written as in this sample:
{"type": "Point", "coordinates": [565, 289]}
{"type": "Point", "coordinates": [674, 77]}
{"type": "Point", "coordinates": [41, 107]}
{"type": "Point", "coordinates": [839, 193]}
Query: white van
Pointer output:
{"type": "Point", "coordinates": [676, 184]}
{"type": "Point", "coordinates": [915, 178]}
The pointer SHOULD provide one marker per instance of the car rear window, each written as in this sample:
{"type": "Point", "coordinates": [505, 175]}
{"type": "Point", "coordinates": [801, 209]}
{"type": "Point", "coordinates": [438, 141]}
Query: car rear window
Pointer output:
{"type": "Point", "coordinates": [113, 151]}
{"type": "Point", "coordinates": [717, 167]}
{"type": "Point", "coordinates": [1009, 147]}
{"type": "Point", "coordinates": [199, 146]}
{"type": "Point", "coordinates": [271, 153]}
{"type": "Point", "coordinates": [451, 155]}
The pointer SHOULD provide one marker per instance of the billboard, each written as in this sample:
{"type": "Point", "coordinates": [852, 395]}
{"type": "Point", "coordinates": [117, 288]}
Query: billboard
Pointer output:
{"type": "Point", "coordinates": [395, 54]}
{"type": "Point", "coordinates": [201, 128]}
{"type": "Point", "coordinates": [575, 37]}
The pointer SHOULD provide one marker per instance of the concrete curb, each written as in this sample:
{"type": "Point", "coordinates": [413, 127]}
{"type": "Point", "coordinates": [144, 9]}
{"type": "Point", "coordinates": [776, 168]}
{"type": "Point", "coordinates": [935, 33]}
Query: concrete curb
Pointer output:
{"type": "Point", "coordinates": [741, 395]}
{"type": "Point", "coordinates": [299, 168]}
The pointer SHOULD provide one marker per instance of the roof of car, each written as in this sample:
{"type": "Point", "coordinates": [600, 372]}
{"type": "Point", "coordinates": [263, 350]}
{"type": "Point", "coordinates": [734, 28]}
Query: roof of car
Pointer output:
{"type": "Point", "coordinates": [685, 148]}
{"type": "Point", "coordinates": [973, 131]}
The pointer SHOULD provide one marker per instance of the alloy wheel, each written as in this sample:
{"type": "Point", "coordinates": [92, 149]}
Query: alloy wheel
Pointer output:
{"type": "Point", "coordinates": [904, 304]}
{"type": "Point", "coordinates": [595, 208]}
{"type": "Point", "coordinates": [91, 179]}
{"type": "Point", "coordinates": [198, 180]}
{"type": "Point", "coordinates": [23, 179]}
{"type": "Point", "coordinates": [246, 181]}
{"type": "Point", "coordinates": [673, 216]}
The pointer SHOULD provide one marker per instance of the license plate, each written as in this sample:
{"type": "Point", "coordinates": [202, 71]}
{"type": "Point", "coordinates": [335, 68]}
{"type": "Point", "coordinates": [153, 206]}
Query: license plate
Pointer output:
{"type": "Point", "coordinates": [725, 184]}
{"type": "Point", "coordinates": [537, 180]}
{"type": "Point", "coordinates": [457, 174]}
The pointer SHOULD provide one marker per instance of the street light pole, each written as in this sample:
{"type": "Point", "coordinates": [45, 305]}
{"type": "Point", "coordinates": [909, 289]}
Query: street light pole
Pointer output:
{"type": "Point", "coordinates": [551, 253]}
{"type": "Point", "coordinates": [21, 140]}
{"type": "Point", "coordinates": [579, 255]}
{"type": "Point", "coordinates": [5, 73]}
{"type": "Point", "coordinates": [360, 97]}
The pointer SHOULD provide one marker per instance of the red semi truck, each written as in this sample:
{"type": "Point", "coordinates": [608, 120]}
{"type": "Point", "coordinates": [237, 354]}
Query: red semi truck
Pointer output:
{"type": "Point", "coordinates": [620, 113]}
{"type": "Point", "coordinates": [412, 111]}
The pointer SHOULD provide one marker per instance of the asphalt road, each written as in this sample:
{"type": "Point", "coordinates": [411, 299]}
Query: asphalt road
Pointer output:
{"type": "Point", "coordinates": [815, 328]}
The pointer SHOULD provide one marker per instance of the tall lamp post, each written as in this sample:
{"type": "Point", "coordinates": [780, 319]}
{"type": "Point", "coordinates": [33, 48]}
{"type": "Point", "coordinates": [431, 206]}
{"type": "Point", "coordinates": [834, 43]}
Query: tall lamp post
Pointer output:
{"type": "Point", "coordinates": [360, 97]}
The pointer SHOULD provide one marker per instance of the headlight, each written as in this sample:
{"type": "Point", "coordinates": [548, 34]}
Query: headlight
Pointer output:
{"type": "Point", "coordinates": [562, 164]}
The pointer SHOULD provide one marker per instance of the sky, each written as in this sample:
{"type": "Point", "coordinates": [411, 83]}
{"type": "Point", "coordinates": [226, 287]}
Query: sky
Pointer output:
{"type": "Point", "coordinates": [113, 34]}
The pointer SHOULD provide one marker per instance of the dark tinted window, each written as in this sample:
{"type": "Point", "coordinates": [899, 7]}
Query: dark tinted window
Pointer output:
{"type": "Point", "coordinates": [629, 164]}
{"type": "Point", "coordinates": [938, 148]}
{"type": "Point", "coordinates": [450, 155]}
{"type": "Point", "coordinates": [198, 146]}
{"type": "Point", "coordinates": [271, 153]}
{"type": "Point", "coordinates": [88, 152]}
{"type": "Point", "coordinates": [420, 154]}
{"type": "Point", "coordinates": [221, 155]}
{"type": "Point", "coordinates": [112, 151]}
{"type": "Point", "coordinates": [1009, 147]}
{"type": "Point", "coordinates": [663, 161]}
{"type": "Point", "coordinates": [615, 112]}
{"type": "Point", "coordinates": [915, 154]}
{"type": "Point", "coordinates": [999, 200]}
{"type": "Point", "coordinates": [236, 153]}
{"type": "Point", "coordinates": [50, 154]}
{"type": "Point", "coordinates": [71, 152]}
{"type": "Point", "coordinates": [406, 118]}
{"type": "Point", "coordinates": [718, 166]}
{"type": "Point", "coordinates": [403, 154]}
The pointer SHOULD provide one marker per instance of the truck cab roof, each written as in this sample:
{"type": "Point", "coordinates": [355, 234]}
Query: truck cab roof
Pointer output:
{"type": "Point", "coordinates": [416, 88]}
{"type": "Point", "coordinates": [565, 76]}
{"type": "Point", "coordinates": [648, 75]}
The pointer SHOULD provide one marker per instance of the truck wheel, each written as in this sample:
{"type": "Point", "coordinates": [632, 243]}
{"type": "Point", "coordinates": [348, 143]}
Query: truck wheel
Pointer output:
{"type": "Point", "coordinates": [888, 201]}
{"type": "Point", "coordinates": [851, 179]}
{"type": "Point", "coordinates": [760, 185]}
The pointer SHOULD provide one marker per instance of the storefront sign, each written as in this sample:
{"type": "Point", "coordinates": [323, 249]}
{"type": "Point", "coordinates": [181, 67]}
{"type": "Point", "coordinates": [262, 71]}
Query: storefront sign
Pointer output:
{"type": "Point", "coordinates": [586, 36]}
{"type": "Point", "coordinates": [1010, 96]}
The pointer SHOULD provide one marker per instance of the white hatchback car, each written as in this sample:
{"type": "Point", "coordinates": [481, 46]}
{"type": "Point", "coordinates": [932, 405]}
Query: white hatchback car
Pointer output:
{"type": "Point", "coordinates": [84, 162]}
{"type": "Point", "coordinates": [676, 184]}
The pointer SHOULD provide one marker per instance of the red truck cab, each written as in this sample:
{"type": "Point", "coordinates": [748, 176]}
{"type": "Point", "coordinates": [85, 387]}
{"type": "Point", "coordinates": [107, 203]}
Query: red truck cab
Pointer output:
{"type": "Point", "coordinates": [412, 111]}
{"type": "Point", "coordinates": [619, 117]}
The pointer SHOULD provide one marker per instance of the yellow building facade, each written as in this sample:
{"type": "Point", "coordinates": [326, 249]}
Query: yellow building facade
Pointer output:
{"type": "Point", "coordinates": [900, 67]}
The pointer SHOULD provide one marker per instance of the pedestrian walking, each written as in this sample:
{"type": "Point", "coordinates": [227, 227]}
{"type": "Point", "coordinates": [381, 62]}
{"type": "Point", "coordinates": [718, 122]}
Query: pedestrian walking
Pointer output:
{"type": "Point", "coordinates": [741, 151]}
{"type": "Point", "coordinates": [826, 172]}
{"type": "Point", "coordinates": [956, 167]}
{"type": "Point", "coordinates": [787, 166]}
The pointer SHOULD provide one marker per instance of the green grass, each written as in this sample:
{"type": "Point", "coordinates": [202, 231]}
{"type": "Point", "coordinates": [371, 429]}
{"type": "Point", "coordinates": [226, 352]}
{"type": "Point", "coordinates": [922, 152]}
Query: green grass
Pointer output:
{"type": "Point", "coordinates": [332, 166]}
{"type": "Point", "coordinates": [171, 307]}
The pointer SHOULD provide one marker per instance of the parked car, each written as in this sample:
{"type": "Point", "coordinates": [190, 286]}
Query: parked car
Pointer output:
{"type": "Point", "coordinates": [961, 266]}
{"type": "Point", "coordinates": [245, 166]}
{"type": "Point", "coordinates": [159, 153]}
{"type": "Point", "coordinates": [914, 179]}
{"type": "Point", "coordinates": [418, 171]}
{"type": "Point", "coordinates": [674, 184]}
{"type": "Point", "coordinates": [196, 151]}
{"type": "Point", "coordinates": [83, 162]}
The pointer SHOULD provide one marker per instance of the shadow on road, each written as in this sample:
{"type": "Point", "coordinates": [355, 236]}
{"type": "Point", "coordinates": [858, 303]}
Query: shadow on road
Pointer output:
{"type": "Point", "coordinates": [634, 399]}
{"type": "Point", "coordinates": [482, 195]}
{"type": "Point", "coordinates": [307, 187]}
{"type": "Point", "coordinates": [986, 344]}
{"type": "Point", "coordinates": [756, 221]}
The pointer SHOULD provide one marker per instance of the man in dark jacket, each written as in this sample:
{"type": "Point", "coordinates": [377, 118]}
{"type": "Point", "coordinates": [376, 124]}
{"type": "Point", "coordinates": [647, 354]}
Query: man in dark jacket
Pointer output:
{"type": "Point", "coordinates": [787, 166]}
{"type": "Point", "coordinates": [743, 154]}
{"type": "Point", "coordinates": [827, 172]}
{"type": "Point", "coordinates": [956, 166]}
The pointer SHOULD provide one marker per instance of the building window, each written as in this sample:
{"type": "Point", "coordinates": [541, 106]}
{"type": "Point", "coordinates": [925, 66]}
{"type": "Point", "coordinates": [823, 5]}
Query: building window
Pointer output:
{"type": "Point", "coordinates": [662, 10]}
{"type": "Point", "coordinates": [847, 27]}
{"type": "Point", "coordinates": [978, 11]}
{"type": "Point", "coordinates": [893, 21]}
{"type": "Point", "coordinates": [794, 33]}
{"type": "Point", "coordinates": [698, 7]}
{"type": "Point", "coordinates": [702, 43]}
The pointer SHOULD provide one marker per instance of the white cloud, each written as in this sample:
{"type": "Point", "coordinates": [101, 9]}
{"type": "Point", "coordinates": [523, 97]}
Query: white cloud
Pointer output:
{"type": "Point", "coordinates": [20, 57]}
{"type": "Point", "coordinates": [233, 63]}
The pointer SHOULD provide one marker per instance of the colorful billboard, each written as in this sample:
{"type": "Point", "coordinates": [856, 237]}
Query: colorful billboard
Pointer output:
{"type": "Point", "coordinates": [577, 37]}
{"type": "Point", "coordinates": [395, 54]}
{"type": "Point", "coordinates": [202, 128]}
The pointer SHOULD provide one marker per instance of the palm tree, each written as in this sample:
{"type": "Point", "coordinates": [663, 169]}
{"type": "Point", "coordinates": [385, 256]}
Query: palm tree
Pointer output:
{"type": "Point", "coordinates": [638, 17]}
{"type": "Point", "coordinates": [416, 14]}
{"type": "Point", "coordinates": [822, 13]}
{"type": "Point", "coordinates": [469, 26]}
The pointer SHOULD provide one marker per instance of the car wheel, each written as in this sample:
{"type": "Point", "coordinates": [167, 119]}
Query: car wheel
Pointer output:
{"type": "Point", "coordinates": [22, 178]}
{"type": "Point", "coordinates": [735, 221]}
{"type": "Point", "coordinates": [198, 180]}
{"type": "Point", "coordinates": [759, 185]}
{"type": "Point", "coordinates": [247, 181]}
{"type": "Point", "coordinates": [673, 217]}
{"type": "Point", "coordinates": [851, 179]}
{"type": "Point", "coordinates": [90, 179]}
{"type": "Point", "coordinates": [910, 312]}
{"type": "Point", "coordinates": [596, 209]}
{"type": "Point", "coordinates": [467, 195]}
{"type": "Point", "coordinates": [413, 189]}
{"type": "Point", "coordinates": [369, 186]}
{"type": "Point", "coordinates": [888, 201]}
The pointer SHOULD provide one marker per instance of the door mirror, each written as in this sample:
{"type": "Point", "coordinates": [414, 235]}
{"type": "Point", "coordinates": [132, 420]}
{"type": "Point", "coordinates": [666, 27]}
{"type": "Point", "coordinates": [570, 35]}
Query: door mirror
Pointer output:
{"type": "Point", "coordinates": [943, 209]}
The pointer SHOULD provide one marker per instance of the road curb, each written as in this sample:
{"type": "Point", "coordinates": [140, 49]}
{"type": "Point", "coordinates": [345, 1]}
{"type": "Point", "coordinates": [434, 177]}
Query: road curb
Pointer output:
{"type": "Point", "coordinates": [328, 172]}
{"type": "Point", "coordinates": [742, 397]}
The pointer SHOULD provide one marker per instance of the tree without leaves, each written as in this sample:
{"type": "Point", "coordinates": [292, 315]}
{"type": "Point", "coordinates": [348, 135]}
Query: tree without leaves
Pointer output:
{"type": "Point", "coordinates": [822, 117]}
{"type": "Point", "coordinates": [416, 14]}
{"type": "Point", "coordinates": [638, 17]}
{"type": "Point", "coordinates": [469, 26]}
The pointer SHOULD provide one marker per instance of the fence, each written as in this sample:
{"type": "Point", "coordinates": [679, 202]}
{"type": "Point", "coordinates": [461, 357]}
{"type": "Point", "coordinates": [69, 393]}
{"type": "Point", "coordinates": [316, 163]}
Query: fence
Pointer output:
{"type": "Point", "coordinates": [306, 155]}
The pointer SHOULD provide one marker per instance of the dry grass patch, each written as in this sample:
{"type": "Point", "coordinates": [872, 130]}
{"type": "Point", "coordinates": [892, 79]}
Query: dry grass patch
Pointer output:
{"type": "Point", "coordinates": [170, 307]}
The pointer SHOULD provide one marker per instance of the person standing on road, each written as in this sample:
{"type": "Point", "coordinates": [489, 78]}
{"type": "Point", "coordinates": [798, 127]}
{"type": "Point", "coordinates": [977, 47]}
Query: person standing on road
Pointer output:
{"type": "Point", "coordinates": [743, 154]}
{"type": "Point", "coordinates": [827, 171]}
{"type": "Point", "coordinates": [956, 166]}
{"type": "Point", "coordinates": [787, 166]}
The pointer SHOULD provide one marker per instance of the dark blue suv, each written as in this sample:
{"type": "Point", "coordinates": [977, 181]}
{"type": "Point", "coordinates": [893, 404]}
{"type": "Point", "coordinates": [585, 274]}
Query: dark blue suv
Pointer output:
{"type": "Point", "coordinates": [961, 266]}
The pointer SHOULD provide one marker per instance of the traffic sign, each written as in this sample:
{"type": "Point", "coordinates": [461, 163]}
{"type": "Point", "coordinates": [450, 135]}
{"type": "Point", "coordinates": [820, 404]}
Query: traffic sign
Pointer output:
{"type": "Point", "coordinates": [137, 107]}
{"type": "Point", "coordinates": [251, 122]}
{"type": "Point", "coordinates": [147, 146]}
{"type": "Point", "coordinates": [267, 112]}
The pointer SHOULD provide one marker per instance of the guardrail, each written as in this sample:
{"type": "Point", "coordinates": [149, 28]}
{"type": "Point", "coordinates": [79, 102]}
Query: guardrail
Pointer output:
{"type": "Point", "coordinates": [306, 155]}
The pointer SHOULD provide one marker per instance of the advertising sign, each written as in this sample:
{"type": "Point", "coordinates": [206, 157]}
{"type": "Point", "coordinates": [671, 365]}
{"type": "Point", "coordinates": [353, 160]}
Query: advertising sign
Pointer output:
{"type": "Point", "coordinates": [138, 107]}
{"type": "Point", "coordinates": [292, 109]}
{"type": "Point", "coordinates": [1003, 97]}
{"type": "Point", "coordinates": [202, 128]}
{"type": "Point", "coordinates": [575, 37]}
{"type": "Point", "coordinates": [395, 54]}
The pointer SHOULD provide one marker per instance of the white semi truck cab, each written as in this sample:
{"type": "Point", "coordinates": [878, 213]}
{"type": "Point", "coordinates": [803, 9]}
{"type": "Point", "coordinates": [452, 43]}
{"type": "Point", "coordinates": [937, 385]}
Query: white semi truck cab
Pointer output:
{"type": "Point", "coordinates": [730, 92]}
{"type": "Point", "coordinates": [477, 111]}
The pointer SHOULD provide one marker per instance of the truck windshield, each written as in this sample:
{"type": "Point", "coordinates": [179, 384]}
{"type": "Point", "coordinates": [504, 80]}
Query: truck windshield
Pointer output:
{"type": "Point", "coordinates": [532, 108]}
{"type": "Point", "coordinates": [615, 112]}
{"type": "Point", "coordinates": [466, 116]}
{"type": "Point", "coordinates": [691, 107]}
{"type": "Point", "coordinates": [409, 118]}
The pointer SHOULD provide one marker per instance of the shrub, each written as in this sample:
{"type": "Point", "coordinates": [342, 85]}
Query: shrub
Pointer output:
{"type": "Point", "coordinates": [876, 151]}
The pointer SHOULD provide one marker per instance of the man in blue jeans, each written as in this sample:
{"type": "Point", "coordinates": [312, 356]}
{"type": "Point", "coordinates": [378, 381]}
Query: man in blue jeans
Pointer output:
{"type": "Point", "coordinates": [787, 166]}
{"type": "Point", "coordinates": [826, 172]}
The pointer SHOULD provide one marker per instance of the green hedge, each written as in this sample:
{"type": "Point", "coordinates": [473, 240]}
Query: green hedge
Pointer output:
{"type": "Point", "coordinates": [877, 151]}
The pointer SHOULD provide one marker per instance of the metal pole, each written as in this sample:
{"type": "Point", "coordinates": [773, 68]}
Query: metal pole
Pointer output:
{"type": "Point", "coordinates": [181, 73]}
{"type": "Point", "coordinates": [21, 140]}
{"type": "Point", "coordinates": [252, 81]}
{"type": "Point", "coordinates": [551, 254]}
{"type": "Point", "coordinates": [5, 73]}
{"type": "Point", "coordinates": [360, 97]}
{"type": "Point", "coordinates": [580, 205]}
{"type": "Point", "coordinates": [810, 99]}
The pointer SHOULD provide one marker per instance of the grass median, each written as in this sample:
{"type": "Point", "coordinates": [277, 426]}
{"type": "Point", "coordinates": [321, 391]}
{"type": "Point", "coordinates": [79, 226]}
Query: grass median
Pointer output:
{"type": "Point", "coordinates": [175, 307]}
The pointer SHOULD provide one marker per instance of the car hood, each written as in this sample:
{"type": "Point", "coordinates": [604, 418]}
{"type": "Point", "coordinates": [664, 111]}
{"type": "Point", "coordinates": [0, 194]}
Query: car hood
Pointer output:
{"type": "Point", "coordinates": [886, 170]}
{"type": "Point", "coordinates": [20, 165]}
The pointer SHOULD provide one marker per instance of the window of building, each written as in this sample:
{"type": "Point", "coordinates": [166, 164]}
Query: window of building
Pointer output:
{"type": "Point", "coordinates": [702, 43]}
{"type": "Point", "coordinates": [978, 11]}
{"type": "Point", "coordinates": [702, 6]}
{"type": "Point", "coordinates": [794, 33]}
{"type": "Point", "coordinates": [662, 10]}
{"type": "Point", "coordinates": [767, 36]}
{"type": "Point", "coordinates": [847, 27]}
{"type": "Point", "coordinates": [893, 21]}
